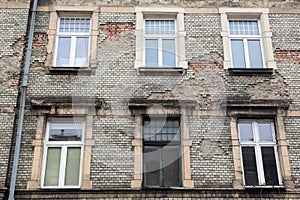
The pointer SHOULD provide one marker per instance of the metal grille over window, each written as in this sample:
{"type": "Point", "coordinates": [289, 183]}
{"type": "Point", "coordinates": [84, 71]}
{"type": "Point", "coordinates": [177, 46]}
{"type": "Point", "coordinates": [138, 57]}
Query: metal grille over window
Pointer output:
{"type": "Point", "coordinates": [259, 153]}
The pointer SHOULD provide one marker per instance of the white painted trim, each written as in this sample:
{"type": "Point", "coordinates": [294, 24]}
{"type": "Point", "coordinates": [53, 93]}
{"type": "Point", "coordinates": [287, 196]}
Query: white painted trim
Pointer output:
{"type": "Point", "coordinates": [170, 12]}
{"type": "Point", "coordinates": [63, 145]}
{"type": "Point", "coordinates": [260, 14]}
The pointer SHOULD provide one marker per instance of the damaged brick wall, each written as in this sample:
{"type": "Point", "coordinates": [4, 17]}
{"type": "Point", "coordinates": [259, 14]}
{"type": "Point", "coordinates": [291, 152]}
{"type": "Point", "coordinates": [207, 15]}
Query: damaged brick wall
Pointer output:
{"type": "Point", "coordinates": [13, 27]}
{"type": "Point", "coordinates": [116, 82]}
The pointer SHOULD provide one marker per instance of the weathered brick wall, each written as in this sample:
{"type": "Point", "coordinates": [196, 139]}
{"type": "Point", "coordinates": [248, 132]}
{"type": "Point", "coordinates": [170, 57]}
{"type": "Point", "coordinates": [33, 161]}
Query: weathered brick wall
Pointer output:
{"type": "Point", "coordinates": [211, 152]}
{"type": "Point", "coordinates": [116, 81]}
{"type": "Point", "coordinates": [13, 26]}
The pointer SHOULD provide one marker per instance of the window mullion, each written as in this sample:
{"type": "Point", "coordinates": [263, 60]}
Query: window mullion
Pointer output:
{"type": "Point", "coordinates": [247, 59]}
{"type": "Point", "coordinates": [72, 51]}
{"type": "Point", "coordinates": [160, 52]}
{"type": "Point", "coordinates": [62, 169]}
{"type": "Point", "coordinates": [260, 168]}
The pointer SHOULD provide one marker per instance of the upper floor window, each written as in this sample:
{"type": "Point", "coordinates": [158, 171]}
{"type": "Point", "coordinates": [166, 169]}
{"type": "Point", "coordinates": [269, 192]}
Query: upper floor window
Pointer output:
{"type": "Point", "coordinates": [259, 153]}
{"type": "Point", "coordinates": [246, 38]}
{"type": "Point", "coordinates": [160, 43]}
{"type": "Point", "coordinates": [63, 152]}
{"type": "Point", "coordinates": [246, 44]}
{"type": "Point", "coordinates": [160, 38]}
{"type": "Point", "coordinates": [73, 42]}
{"type": "Point", "coordinates": [162, 155]}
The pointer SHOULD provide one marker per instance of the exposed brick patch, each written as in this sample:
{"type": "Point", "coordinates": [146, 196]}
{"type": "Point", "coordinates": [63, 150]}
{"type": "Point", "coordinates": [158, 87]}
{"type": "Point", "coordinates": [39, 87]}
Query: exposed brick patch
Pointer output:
{"type": "Point", "coordinates": [120, 32]}
{"type": "Point", "coordinates": [39, 50]}
{"type": "Point", "coordinates": [292, 56]}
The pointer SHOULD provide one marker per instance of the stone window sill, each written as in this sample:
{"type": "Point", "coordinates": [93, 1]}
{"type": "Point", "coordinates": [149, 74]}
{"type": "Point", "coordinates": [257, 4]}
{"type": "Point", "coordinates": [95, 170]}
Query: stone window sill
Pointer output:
{"type": "Point", "coordinates": [70, 70]}
{"type": "Point", "coordinates": [160, 71]}
{"type": "Point", "coordinates": [249, 72]}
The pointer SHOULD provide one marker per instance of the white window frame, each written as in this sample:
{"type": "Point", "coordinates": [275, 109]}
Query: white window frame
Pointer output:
{"type": "Point", "coordinates": [260, 14]}
{"type": "Point", "coordinates": [162, 13]}
{"type": "Point", "coordinates": [245, 39]}
{"type": "Point", "coordinates": [258, 155]}
{"type": "Point", "coordinates": [63, 145]}
{"type": "Point", "coordinates": [73, 36]}
{"type": "Point", "coordinates": [159, 38]}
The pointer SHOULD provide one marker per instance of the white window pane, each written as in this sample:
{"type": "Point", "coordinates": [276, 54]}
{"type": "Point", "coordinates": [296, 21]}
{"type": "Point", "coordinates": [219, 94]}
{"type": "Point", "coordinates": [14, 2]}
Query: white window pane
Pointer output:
{"type": "Point", "coordinates": [65, 131]}
{"type": "Point", "coordinates": [238, 27]}
{"type": "Point", "coordinates": [63, 51]}
{"type": "Point", "coordinates": [238, 55]}
{"type": "Point", "coordinates": [72, 166]}
{"type": "Point", "coordinates": [74, 25]}
{"type": "Point", "coordinates": [265, 132]}
{"type": "Point", "coordinates": [168, 52]}
{"type": "Point", "coordinates": [255, 55]}
{"type": "Point", "coordinates": [82, 49]}
{"type": "Point", "coordinates": [245, 131]}
{"type": "Point", "coordinates": [52, 167]}
{"type": "Point", "coordinates": [151, 53]}
{"type": "Point", "coordinates": [160, 27]}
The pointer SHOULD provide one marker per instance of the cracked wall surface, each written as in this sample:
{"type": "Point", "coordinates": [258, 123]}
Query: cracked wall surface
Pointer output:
{"type": "Point", "coordinates": [116, 82]}
{"type": "Point", "coordinates": [13, 27]}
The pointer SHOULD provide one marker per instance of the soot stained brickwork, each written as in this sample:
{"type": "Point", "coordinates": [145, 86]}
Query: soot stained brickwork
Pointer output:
{"type": "Point", "coordinates": [13, 27]}
{"type": "Point", "coordinates": [115, 82]}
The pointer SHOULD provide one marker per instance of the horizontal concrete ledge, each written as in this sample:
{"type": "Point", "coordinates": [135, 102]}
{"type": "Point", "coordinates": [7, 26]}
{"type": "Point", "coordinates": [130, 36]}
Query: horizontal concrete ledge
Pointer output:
{"type": "Point", "coordinates": [284, 11]}
{"type": "Point", "coordinates": [158, 193]}
{"type": "Point", "coordinates": [16, 5]}
{"type": "Point", "coordinates": [117, 9]}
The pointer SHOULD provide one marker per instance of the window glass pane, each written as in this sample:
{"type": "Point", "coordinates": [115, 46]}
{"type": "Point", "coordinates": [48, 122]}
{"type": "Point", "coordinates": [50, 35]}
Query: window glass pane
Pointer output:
{"type": "Point", "coordinates": [151, 53]}
{"type": "Point", "coordinates": [255, 55]}
{"type": "Point", "coordinates": [238, 55]}
{"type": "Point", "coordinates": [245, 131]}
{"type": "Point", "coordinates": [265, 132]}
{"type": "Point", "coordinates": [72, 166]}
{"type": "Point", "coordinates": [65, 131]}
{"type": "Point", "coordinates": [171, 160]}
{"type": "Point", "coordinates": [249, 164]}
{"type": "Point", "coordinates": [52, 167]}
{"type": "Point", "coordinates": [74, 25]}
{"type": "Point", "coordinates": [237, 27]}
{"type": "Point", "coordinates": [63, 51]}
{"type": "Point", "coordinates": [159, 27]}
{"type": "Point", "coordinates": [82, 49]}
{"type": "Point", "coordinates": [164, 129]}
{"type": "Point", "coordinates": [151, 166]}
{"type": "Point", "coordinates": [269, 163]}
{"type": "Point", "coordinates": [168, 52]}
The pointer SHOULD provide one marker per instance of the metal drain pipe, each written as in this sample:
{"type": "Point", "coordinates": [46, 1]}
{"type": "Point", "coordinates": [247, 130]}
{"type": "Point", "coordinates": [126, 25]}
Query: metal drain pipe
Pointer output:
{"type": "Point", "coordinates": [22, 103]}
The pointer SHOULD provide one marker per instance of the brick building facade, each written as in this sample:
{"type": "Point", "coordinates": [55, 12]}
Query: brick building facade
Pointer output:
{"type": "Point", "coordinates": [152, 99]}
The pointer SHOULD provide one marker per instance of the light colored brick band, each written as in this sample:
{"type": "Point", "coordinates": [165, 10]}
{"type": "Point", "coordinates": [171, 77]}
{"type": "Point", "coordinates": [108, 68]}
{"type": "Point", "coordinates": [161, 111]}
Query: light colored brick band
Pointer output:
{"type": "Point", "coordinates": [10, 5]}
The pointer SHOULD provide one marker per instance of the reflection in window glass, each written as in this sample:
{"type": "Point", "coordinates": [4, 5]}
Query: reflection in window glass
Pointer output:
{"type": "Point", "coordinates": [151, 53]}
{"type": "Point", "coordinates": [245, 130]}
{"type": "Point", "coordinates": [52, 166]}
{"type": "Point", "coordinates": [255, 54]}
{"type": "Point", "coordinates": [63, 51]}
{"type": "Point", "coordinates": [238, 59]}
